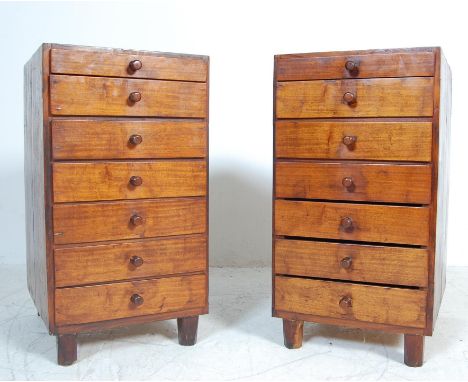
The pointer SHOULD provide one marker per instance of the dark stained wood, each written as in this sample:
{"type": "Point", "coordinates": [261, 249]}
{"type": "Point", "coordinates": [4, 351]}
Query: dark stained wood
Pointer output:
{"type": "Point", "coordinates": [187, 330]}
{"type": "Point", "coordinates": [375, 140]}
{"type": "Point", "coordinates": [414, 350]}
{"type": "Point", "coordinates": [292, 333]}
{"type": "Point", "coordinates": [66, 349]}
{"type": "Point", "coordinates": [109, 139]}
{"type": "Point", "coordinates": [402, 183]}
{"type": "Point", "coordinates": [99, 96]}
{"type": "Point", "coordinates": [383, 97]}
{"type": "Point", "coordinates": [90, 181]}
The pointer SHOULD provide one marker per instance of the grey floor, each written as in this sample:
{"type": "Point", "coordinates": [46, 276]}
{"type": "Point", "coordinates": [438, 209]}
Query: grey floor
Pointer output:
{"type": "Point", "coordinates": [237, 340]}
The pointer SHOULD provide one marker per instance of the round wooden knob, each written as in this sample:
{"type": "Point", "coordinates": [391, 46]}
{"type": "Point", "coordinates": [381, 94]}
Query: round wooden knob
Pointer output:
{"type": "Point", "coordinates": [349, 140]}
{"type": "Point", "coordinates": [134, 97]}
{"type": "Point", "coordinates": [347, 222]}
{"type": "Point", "coordinates": [351, 66]}
{"type": "Point", "coordinates": [136, 220]}
{"type": "Point", "coordinates": [349, 97]}
{"type": "Point", "coordinates": [136, 261]}
{"type": "Point", "coordinates": [135, 139]}
{"type": "Point", "coordinates": [135, 65]}
{"type": "Point", "coordinates": [346, 302]}
{"type": "Point", "coordinates": [136, 299]}
{"type": "Point", "coordinates": [348, 182]}
{"type": "Point", "coordinates": [346, 262]}
{"type": "Point", "coordinates": [136, 181]}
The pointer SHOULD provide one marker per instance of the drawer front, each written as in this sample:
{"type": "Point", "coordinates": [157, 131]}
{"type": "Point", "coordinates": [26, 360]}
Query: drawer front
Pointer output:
{"type": "Point", "coordinates": [128, 260]}
{"type": "Point", "coordinates": [364, 263]}
{"type": "Point", "coordinates": [334, 66]}
{"type": "Point", "coordinates": [372, 140]}
{"type": "Point", "coordinates": [113, 301]}
{"type": "Point", "coordinates": [384, 97]}
{"type": "Point", "coordinates": [360, 222]}
{"type": "Point", "coordinates": [129, 139]}
{"type": "Point", "coordinates": [118, 63]}
{"type": "Point", "coordinates": [88, 222]}
{"type": "Point", "coordinates": [91, 181]}
{"type": "Point", "coordinates": [383, 305]}
{"type": "Point", "coordinates": [75, 95]}
{"type": "Point", "coordinates": [354, 181]}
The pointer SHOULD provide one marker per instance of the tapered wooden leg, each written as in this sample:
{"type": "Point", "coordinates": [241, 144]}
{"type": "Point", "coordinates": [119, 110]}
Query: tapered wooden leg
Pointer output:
{"type": "Point", "coordinates": [66, 349]}
{"type": "Point", "coordinates": [187, 328]}
{"type": "Point", "coordinates": [292, 332]}
{"type": "Point", "coordinates": [414, 350]}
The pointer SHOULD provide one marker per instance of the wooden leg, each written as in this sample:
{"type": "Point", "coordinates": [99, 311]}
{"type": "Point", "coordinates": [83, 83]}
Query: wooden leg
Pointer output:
{"type": "Point", "coordinates": [414, 350]}
{"type": "Point", "coordinates": [187, 327]}
{"type": "Point", "coordinates": [292, 332]}
{"type": "Point", "coordinates": [66, 349]}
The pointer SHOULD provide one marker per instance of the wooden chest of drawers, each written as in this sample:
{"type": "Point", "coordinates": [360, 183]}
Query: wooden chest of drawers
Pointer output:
{"type": "Point", "coordinates": [116, 167]}
{"type": "Point", "coordinates": [360, 191]}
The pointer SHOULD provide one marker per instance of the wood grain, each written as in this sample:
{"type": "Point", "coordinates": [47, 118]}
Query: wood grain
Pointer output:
{"type": "Point", "coordinates": [374, 264]}
{"type": "Point", "coordinates": [293, 332]}
{"type": "Point", "coordinates": [383, 97]}
{"type": "Point", "coordinates": [111, 262]}
{"type": "Point", "coordinates": [373, 223]}
{"type": "Point", "coordinates": [88, 222]}
{"type": "Point", "coordinates": [402, 183]}
{"type": "Point", "coordinates": [111, 301]}
{"type": "Point", "coordinates": [395, 306]}
{"type": "Point", "coordinates": [88, 181]}
{"type": "Point", "coordinates": [115, 63]}
{"type": "Point", "coordinates": [109, 139]}
{"type": "Point", "coordinates": [375, 140]}
{"type": "Point", "coordinates": [99, 96]}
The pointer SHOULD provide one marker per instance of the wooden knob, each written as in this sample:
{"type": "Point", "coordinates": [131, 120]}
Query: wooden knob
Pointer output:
{"type": "Point", "coordinates": [134, 97]}
{"type": "Point", "coordinates": [136, 181]}
{"type": "Point", "coordinates": [347, 222]}
{"type": "Point", "coordinates": [136, 299]}
{"type": "Point", "coordinates": [346, 262]}
{"type": "Point", "coordinates": [136, 220]}
{"type": "Point", "coordinates": [136, 261]}
{"type": "Point", "coordinates": [134, 65]}
{"type": "Point", "coordinates": [348, 182]}
{"type": "Point", "coordinates": [351, 66]}
{"type": "Point", "coordinates": [346, 302]}
{"type": "Point", "coordinates": [349, 141]}
{"type": "Point", "coordinates": [349, 98]}
{"type": "Point", "coordinates": [135, 139]}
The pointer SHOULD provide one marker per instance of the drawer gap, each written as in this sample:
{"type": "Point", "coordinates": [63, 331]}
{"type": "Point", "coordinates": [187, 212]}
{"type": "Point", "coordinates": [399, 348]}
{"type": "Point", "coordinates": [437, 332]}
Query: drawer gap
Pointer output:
{"type": "Point", "coordinates": [340, 78]}
{"type": "Point", "coordinates": [126, 78]}
{"type": "Point", "coordinates": [353, 202]}
{"type": "Point", "coordinates": [383, 117]}
{"type": "Point", "coordinates": [132, 160]}
{"type": "Point", "coordinates": [340, 160]}
{"type": "Point", "coordinates": [141, 117]}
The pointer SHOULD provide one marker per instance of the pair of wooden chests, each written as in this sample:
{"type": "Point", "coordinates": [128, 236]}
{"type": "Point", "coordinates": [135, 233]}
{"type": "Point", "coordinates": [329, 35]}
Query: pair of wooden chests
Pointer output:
{"type": "Point", "coordinates": [116, 179]}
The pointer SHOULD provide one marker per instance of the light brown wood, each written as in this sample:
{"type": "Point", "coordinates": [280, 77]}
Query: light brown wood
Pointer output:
{"type": "Point", "coordinates": [372, 223]}
{"type": "Point", "coordinates": [401, 64]}
{"type": "Point", "coordinates": [395, 306]}
{"type": "Point", "coordinates": [111, 262]}
{"type": "Point", "coordinates": [111, 301]}
{"type": "Point", "coordinates": [115, 63]}
{"type": "Point", "coordinates": [88, 181]}
{"type": "Point", "coordinates": [383, 97]}
{"type": "Point", "coordinates": [375, 140]}
{"type": "Point", "coordinates": [109, 139]}
{"type": "Point", "coordinates": [99, 96]}
{"type": "Point", "coordinates": [88, 222]}
{"type": "Point", "coordinates": [402, 183]}
{"type": "Point", "coordinates": [374, 264]}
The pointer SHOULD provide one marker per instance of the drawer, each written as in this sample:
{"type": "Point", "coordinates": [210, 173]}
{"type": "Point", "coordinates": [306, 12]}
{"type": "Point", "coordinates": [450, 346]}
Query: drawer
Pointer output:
{"type": "Point", "coordinates": [397, 183]}
{"type": "Point", "coordinates": [114, 301]}
{"type": "Point", "coordinates": [88, 181]}
{"type": "Point", "coordinates": [364, 263]}
{"type": "Point", "coordinates": [79, 95]}
{"type": "Point", "coordinates": [383, 305]}
{"type": "Point", "coordinates": [120, 63]}
{"type": "Point", "coordinates": [360, 222]}
{"type": "Point", "coordinates": [88, 222]}
{"type": "Point", "coordinates": [383, 97]}
{"type": "Point", "coordinates": [372, 140]}
{"type": "Point", "coordinates": [335, 65]}
{"type": "Point", "coordinates": [128, 139]}
{"type": "Point", "coordinates": [128, 260]}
